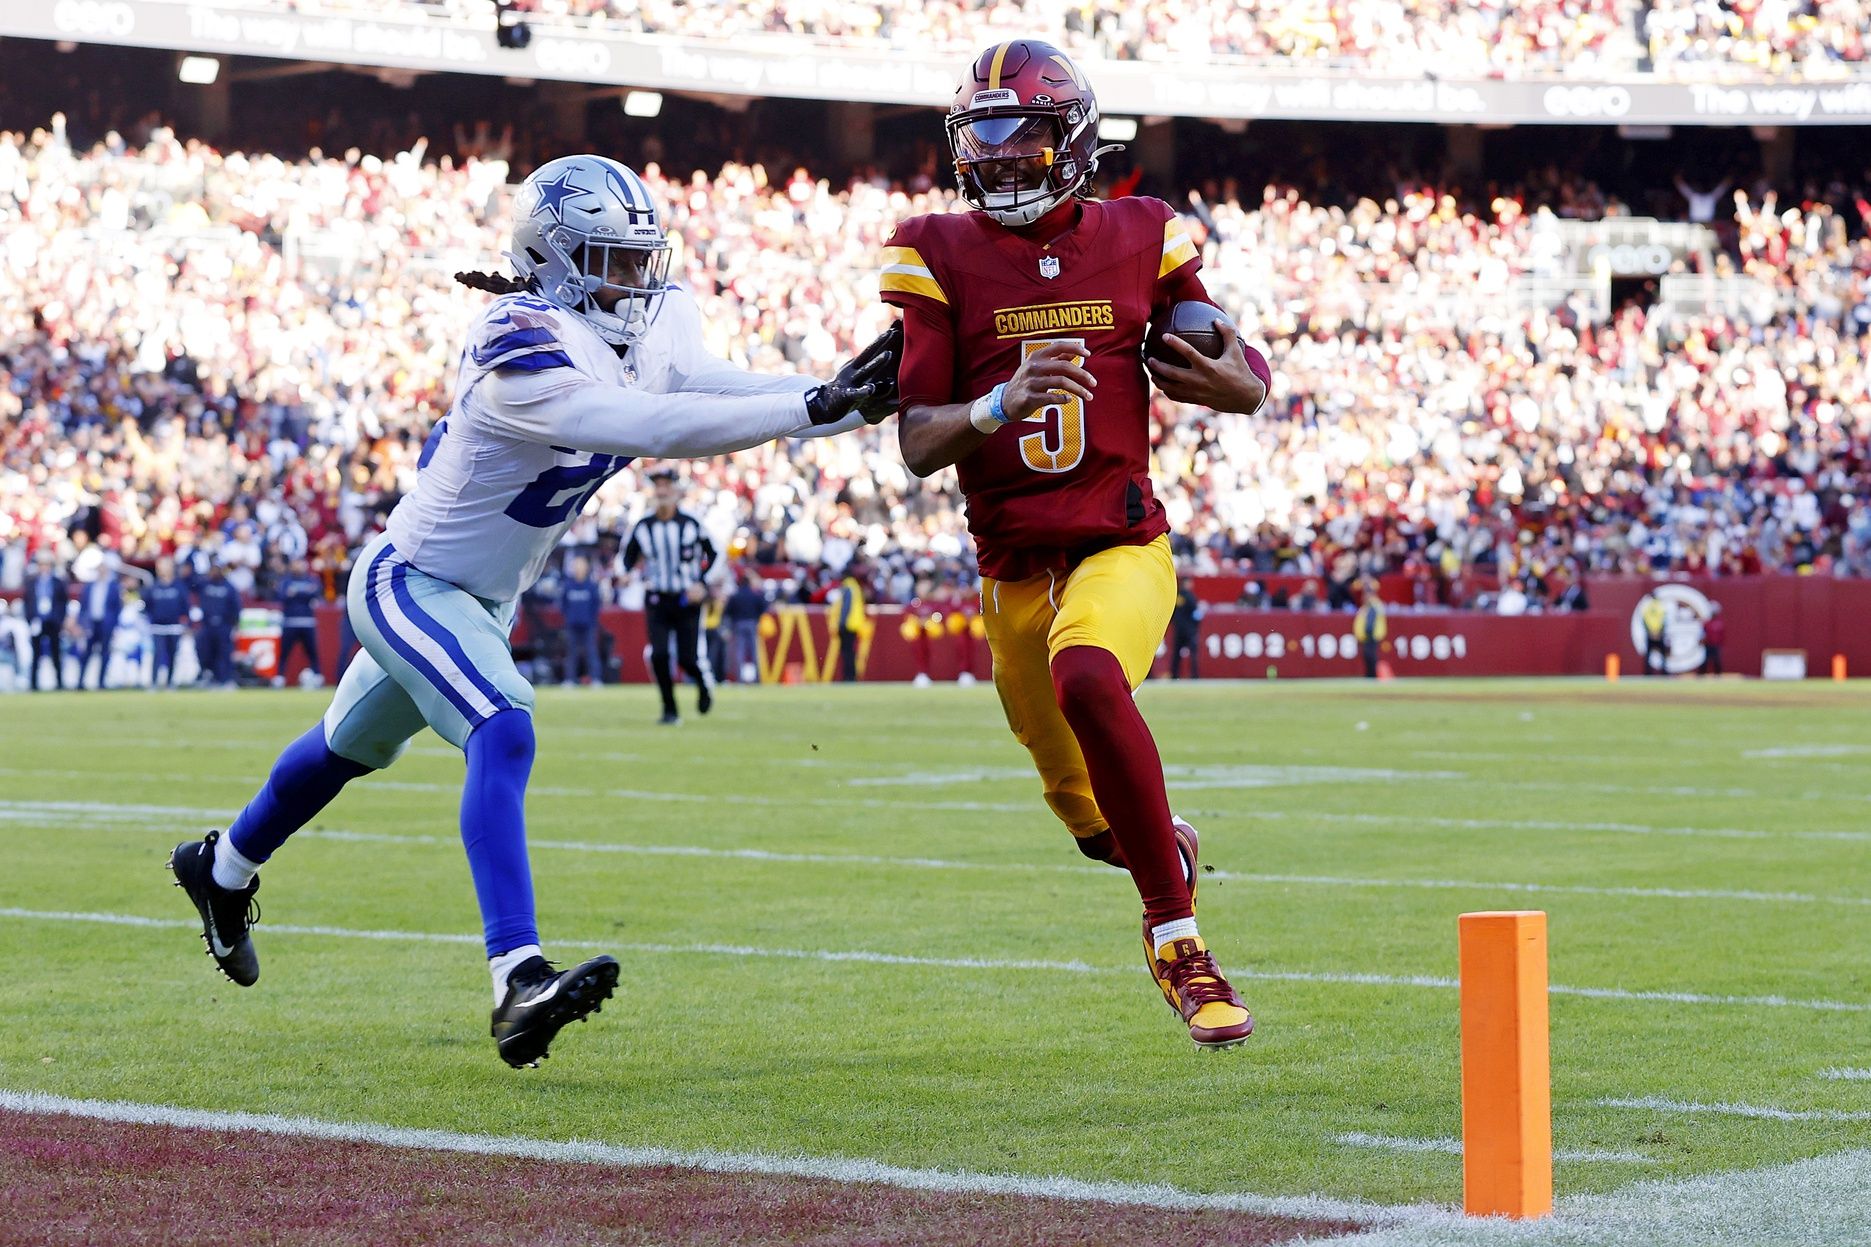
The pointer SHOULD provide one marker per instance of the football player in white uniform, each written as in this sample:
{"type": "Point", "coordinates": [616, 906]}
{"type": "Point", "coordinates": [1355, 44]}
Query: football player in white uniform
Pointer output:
{"type": "Point", "coordinates": [589, 359]}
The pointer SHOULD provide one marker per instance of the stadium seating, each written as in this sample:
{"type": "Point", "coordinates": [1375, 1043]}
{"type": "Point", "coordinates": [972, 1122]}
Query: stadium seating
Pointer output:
{"type": "Point", "coordinates": [1406, 36]}
{"type": "Point", "coordinates": [178, 332]}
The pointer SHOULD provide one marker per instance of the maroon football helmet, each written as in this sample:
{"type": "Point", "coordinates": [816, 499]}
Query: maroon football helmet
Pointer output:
{"type": "Point", "coordinates": [1023, 131]}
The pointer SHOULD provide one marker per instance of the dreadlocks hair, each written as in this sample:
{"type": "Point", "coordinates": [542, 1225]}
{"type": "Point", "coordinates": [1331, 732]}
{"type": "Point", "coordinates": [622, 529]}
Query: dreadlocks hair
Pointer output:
{"type": "Point", "coordinates": [493, 283]}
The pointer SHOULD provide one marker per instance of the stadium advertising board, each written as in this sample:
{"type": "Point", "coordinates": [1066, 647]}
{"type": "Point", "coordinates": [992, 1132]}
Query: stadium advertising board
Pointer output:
{"type": "Point", "coordinates": [1814, 615]}
{"type": "Point", "coordinates": [789, 67]}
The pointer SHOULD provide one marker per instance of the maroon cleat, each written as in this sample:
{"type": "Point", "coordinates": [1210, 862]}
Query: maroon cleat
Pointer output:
{"type": "Point", "coordinates": [1194, 986]}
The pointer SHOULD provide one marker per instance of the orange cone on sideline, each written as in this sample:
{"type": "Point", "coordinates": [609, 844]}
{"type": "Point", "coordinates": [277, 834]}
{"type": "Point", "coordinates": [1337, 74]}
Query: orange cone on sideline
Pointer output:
{"type": "Point", "coordinates": [1611, 667]}
{"type": "Point", "coordinates": [1507, 1112]}
{"type": "Point", "coordinates": [1838, 666]}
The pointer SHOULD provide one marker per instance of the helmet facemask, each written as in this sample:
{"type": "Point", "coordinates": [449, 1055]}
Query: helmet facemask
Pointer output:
{"type": "Point", "coordinates": [631, 278]}
{"type": "Point", "coordinates": [1014, 164]}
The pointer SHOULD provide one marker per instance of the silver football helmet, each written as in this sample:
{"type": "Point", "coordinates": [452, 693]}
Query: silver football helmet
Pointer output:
{"type": "Point", "coordinates": [586, 225]}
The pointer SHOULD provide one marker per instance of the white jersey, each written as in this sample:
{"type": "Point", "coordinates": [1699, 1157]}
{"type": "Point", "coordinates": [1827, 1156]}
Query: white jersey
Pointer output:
{"type": "Point", "coordinates": [545, 412]}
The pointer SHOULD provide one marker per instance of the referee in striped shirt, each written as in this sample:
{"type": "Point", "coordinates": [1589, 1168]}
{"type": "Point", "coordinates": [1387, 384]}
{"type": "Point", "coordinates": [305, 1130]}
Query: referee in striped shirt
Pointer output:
{"type": "Point", "coordinates": [675, 553]}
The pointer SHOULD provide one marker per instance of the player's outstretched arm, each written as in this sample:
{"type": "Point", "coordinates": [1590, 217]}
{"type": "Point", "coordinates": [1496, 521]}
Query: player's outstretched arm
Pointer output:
{"type": "Point", "coordinates": [558, 407]}
{"type": "Point", "coordinates": [871, 375]}
{"type": "Point", "coordinates": [933, 437]}
{"type": "Point", "coordinates": [864, 391]}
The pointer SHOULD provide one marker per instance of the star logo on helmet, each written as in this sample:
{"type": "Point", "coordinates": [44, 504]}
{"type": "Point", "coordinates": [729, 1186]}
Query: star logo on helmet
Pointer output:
{"type": "Point", "coordinates": [553, 194]}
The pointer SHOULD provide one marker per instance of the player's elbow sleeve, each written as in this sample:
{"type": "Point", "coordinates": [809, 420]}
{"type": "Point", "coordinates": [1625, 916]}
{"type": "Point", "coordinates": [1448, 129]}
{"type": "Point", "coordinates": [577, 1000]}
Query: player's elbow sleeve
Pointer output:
{"type": "Point", "coordinates": [1263, 372]}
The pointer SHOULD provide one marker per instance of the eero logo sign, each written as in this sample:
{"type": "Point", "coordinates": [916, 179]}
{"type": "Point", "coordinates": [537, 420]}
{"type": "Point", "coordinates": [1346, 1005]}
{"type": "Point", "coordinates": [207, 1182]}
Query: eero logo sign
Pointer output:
{"type": "Point", "coordinates": [93, 17]}
{"type": "Point", "coordinates": [1603, 101]}
{"type": "Point", "coordinates": [572, 56]}
{"type": "Point", "coordinates": [1623, 261]}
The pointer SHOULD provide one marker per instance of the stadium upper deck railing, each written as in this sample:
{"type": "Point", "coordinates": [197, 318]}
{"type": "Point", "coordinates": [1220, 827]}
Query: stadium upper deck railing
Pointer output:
{"type": "Point", "coordinates": [1582, 91]}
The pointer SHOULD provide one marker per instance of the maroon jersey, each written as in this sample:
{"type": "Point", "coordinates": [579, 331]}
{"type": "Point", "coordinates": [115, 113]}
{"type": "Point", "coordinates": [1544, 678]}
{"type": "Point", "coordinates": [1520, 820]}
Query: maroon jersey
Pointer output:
{"type": "Point", "coordinates": [1044, 492]}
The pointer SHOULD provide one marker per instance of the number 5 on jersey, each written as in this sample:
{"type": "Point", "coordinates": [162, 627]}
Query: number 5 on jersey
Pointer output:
{"type": "Point", "coordinates": [1060, 445]}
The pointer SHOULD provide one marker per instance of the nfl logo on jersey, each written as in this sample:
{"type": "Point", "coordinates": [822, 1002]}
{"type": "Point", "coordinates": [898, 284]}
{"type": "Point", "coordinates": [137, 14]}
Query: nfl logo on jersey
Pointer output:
{"type": "Point", "coordinates": [1049, 266]}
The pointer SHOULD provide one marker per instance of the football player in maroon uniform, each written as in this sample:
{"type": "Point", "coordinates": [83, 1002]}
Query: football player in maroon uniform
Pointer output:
{"type": "Point", "coordinates": [1024, 323]}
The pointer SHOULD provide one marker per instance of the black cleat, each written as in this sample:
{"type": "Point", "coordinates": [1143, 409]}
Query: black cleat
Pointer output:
{"type": "Point", "coordinates": [669, 720]}
{"type": "Point", "coordinates": [226, 916]}
{"type": "Point", "coordinates": [704, 697]}
{"type": "Point", "coordinates": [541, 1001]}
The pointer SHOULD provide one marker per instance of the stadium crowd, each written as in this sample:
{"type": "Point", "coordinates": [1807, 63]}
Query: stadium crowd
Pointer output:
{"type": "Point", "coordinates": [1767, 36]}
{"type": "Point", "coordinates": [232, 360]}
{"type": "Point", "coordinates": [1404, 36]}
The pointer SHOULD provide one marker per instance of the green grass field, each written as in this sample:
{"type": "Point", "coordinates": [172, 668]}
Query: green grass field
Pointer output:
{"type": "Point", "coordinates": [1704, 841]}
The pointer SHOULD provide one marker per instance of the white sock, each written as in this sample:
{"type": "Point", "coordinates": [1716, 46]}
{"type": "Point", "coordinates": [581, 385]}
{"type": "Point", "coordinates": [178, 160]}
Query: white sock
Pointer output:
{"type": "Point", "coordinates": [231, 870]}
{"type": "Point", "coordinates": [1181, 929]}
{"type": "Point", "coordinates": [503, 965]}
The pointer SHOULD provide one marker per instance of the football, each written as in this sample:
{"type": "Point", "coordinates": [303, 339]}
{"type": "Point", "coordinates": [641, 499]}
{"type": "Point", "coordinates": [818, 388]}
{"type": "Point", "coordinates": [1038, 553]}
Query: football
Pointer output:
{"type": "Point", "coordinates": [1194, 323]}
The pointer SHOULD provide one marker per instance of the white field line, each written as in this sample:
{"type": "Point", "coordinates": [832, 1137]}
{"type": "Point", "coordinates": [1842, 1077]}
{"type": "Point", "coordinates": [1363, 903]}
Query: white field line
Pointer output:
{"type": "Point", "coordinates": [722, 798]}
{"type": "Point", "coordinates": [831, 803]}
{"type": "Point", "coordinates": [1016, 807]}
{"type": "Point", "coordinates": [1543, 824]}
{"type": "Point", "coordinates": [109, 811]}
{"type": "Point", "coordinates": [937, 863]}
{"type": "Point", "coordinates": [1843, 1074]}
{"type": "Point", "coordinates": [133, 814]}
{"type": "Point", "coordinates": [1562, 889]}
{"type": "Point", "coordinates": [1813, 1203]}
{"type": "Point", "coordinates": [694, 850]}
{"type": "Point", "coordinates": [825, 1168]}
{"type": "Point", "coordinates": [1453, 1147]}
{"type": "Point", "coordinates": [1213, 777]}
{"type": "Point", "coordinates": [92, 776]}
{"type": "Point", "coordinates": [863, 956]}
{"type": "Point", "coordinates": [1177, 776]}
{"type": "Point", "coordinates": [1468, 755]}
{"type": "Point", "coordinates": [1762, 1112]}
{"type": "Point", "coordinates": [450, 937]}
{"type": "Point", "coordinates": [1806, 751]}
{"type": "Point", "coordinates": [1671, 790]}
{"type": "Point", "coordinates": [1568, 786]}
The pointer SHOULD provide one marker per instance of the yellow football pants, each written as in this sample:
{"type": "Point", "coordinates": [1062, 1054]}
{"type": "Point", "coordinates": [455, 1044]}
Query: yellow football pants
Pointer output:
{"type": "Point", "coordinates": [1119, 600]}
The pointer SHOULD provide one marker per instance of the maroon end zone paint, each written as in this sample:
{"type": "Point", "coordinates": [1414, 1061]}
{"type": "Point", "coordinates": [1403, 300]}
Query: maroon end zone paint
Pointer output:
{"type": "Point", "coordinates": [80, 1181]}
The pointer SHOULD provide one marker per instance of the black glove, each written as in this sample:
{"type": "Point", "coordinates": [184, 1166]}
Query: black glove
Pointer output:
{"type": "Point", "coordinates": [878, 364]}
{"type": "Point", "coordinates": [866, 384]}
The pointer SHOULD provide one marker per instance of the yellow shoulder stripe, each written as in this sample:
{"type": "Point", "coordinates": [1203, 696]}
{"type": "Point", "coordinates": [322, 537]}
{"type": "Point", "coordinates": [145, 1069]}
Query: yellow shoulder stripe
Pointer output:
{"type": "Point", "coordinates": [905, 272]}
{"type": "Point", "coordinates": [903, 283]}
{"type": "Point", "coordinates": [1178, 250]}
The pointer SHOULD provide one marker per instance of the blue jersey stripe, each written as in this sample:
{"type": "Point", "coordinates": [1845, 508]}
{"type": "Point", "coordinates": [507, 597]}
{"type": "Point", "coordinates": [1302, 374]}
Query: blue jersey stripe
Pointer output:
{"type": "Point", "coordinates": [399, 585]}
{"type": "Point", "coordinates": [536, 361]}
{"type": "Point", "coordinates": [512, 340]}
{"type": "Point", "coordinates": [407, 652]}
{"type": "Point", "coordinates": [515, 339]}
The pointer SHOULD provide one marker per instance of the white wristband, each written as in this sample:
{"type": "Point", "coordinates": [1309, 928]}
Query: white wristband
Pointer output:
{"type": "Point", "coordinates": [981, 415]}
